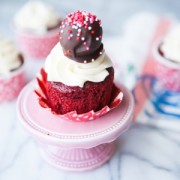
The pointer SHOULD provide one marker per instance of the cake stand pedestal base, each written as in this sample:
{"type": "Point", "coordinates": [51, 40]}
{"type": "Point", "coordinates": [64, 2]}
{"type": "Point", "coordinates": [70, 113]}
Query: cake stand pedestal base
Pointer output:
{"type": "Point", "coordinates": [78, 159]}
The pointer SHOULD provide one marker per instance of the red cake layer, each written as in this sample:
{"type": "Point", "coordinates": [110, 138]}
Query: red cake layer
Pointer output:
{"type": "Point", "coordinates": [93, 96]}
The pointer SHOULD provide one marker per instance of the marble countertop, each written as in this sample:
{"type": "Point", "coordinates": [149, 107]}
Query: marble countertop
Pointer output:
{"type": "Point", "coordinates": [143, 153]}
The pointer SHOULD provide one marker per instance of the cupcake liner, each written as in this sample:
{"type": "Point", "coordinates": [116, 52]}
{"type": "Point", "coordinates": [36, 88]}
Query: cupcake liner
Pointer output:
{"type": "Point", "coordinates": [11, 85]}
{"type": "Point", "coordinates": [35, 45]}
{"type": "Point", "coordinates": [170, 78]}
{"type": "Point", "coordinates": [116, 99]}
{"type": "Point", "coordinates": [167, 72]}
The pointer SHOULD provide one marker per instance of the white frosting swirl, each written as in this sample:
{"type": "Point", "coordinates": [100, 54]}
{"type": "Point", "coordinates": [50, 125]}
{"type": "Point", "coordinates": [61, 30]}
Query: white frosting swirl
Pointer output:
{"type": "Point", "coordinates": [171, 44]}
{"type": "Point", "coordinates": [9, 56]}
{"type": "Point", "coordinates": [59, 68]}
{"type": "Point", "coordinates": [37, 17]}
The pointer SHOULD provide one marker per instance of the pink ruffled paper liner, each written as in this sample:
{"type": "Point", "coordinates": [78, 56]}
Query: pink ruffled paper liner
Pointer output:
{"type": "Point", "coordinates": [116, 99]}
{"type": "Point", "coordinates": [35, 45]}
{"type": "Point", "coordinates": [11, 85]}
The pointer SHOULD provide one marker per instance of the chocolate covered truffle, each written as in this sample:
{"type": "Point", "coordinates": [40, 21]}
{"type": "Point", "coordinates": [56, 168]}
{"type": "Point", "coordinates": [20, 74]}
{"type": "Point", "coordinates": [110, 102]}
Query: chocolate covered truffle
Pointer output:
{"type": "Point", "coordinates": [80, 37]}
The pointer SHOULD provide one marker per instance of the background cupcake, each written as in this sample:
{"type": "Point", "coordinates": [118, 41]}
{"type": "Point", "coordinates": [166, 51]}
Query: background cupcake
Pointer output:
{"type": "Point", "coordinates": [36, 27]}
{"type": "Point", "coordinates": [167, 54]}
{"type": "Point", "coordinates": [11, 71]}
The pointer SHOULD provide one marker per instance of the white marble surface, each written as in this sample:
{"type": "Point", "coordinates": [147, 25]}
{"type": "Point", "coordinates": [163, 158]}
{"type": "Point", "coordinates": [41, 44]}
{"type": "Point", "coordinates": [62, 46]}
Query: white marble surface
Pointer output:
{"type": "Point", "coordinates": [144, 153]}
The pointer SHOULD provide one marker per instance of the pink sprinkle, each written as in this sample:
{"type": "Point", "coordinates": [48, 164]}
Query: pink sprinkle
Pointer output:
{"type": "Point", "coordinates": [80, 18]}
{"type": "Point", "coordinates": [92, 32]}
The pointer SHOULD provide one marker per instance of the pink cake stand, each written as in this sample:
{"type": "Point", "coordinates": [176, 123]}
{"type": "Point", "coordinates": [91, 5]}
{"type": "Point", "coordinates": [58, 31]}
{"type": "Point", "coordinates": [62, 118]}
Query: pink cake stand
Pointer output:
{"type": "Point", "coordinates": [74, 146]}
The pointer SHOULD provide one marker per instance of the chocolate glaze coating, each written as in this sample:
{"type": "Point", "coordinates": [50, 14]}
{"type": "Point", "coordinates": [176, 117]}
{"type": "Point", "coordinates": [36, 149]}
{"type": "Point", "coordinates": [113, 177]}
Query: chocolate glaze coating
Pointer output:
{"type": "Point", "coordinates": [80, 37]}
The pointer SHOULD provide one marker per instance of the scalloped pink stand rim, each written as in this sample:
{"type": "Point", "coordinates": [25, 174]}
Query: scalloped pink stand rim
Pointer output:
{"type": "Point", "coordinates": [69, 145]}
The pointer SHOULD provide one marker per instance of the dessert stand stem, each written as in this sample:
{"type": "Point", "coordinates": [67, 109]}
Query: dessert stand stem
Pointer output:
{"type": "Point", "coordinates": [77, 159]}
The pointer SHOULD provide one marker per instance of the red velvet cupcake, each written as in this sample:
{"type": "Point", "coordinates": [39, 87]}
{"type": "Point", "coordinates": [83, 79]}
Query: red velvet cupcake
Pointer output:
{"type": "Point", "coordinates": [78, 74]}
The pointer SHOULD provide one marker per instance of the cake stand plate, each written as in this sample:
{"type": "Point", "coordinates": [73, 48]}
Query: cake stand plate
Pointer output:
{"type": "Point", "coordinates": [69, 145]}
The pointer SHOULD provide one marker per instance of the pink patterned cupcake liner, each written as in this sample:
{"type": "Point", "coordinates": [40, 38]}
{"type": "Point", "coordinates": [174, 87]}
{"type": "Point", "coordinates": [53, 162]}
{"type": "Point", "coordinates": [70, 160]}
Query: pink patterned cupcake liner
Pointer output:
{"type": "Point", "coordinates": [167, 72]}
{"type": "Point", "coordinates": [11, 85]}
{"type": "Point", "coordinates": [116, 99]}
{"type": "Point", "coordinates": [35, 45]}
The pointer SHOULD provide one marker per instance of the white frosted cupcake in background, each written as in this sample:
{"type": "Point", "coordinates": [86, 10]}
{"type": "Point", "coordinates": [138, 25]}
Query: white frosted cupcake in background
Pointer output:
{"type": "Point", "coordinates": [36, 25]}
{"type": "Point", "coordinates": [167, 54]}
{"type": "Point", "coordinates": [11, 71]}
{"type": "Point", "coordinates": [171, 45]}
